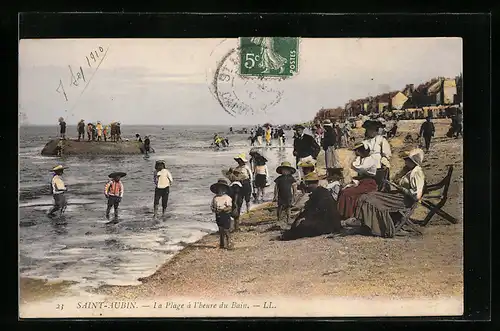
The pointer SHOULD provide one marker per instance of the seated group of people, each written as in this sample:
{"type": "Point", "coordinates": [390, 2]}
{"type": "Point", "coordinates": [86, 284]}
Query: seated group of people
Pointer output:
{"type": "Point", "coordinates": [370, 202]}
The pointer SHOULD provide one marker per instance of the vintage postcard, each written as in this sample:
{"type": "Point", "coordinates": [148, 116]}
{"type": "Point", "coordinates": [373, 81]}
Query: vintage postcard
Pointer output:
{"type": "Point", "coordinates": [240, 177]}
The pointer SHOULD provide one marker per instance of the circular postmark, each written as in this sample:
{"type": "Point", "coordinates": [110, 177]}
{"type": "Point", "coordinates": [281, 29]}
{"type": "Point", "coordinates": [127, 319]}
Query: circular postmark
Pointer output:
{"type": "Point", "coordinates": [242, 94]}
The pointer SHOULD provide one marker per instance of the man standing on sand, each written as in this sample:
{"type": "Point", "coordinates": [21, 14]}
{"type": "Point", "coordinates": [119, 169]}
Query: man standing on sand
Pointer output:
{"type": "Point", "coordinates": [304, 146]}
{"type": "Point", "coordinates": [62, 124]}
{"type": "Point", "coordinates": [81, 130]}
{"type": "Point", "coordinates": [427, 132]}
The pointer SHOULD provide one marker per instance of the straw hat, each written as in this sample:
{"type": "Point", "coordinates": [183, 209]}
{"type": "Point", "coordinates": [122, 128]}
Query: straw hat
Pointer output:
{"type": "Point", "coordinates": [241, 157]}
{"type": "Point", "coordinates": [306, 164]}
{"type": "Point", "coordinates": [327, 123]}
{"type": "Point", "coordinates": [222, 182]}
{"type": "Point", "coordinates": [285, 165]}
{"type": "Point", "coordinates": [311, 177]}
{"type": "Point", "coordinates": [416, 155]}
{"type": "Point", "coordinates": [58, 167]}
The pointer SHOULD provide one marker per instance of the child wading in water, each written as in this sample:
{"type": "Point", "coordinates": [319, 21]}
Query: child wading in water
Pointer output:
{"type": "Point", "coordinates": [261, 175]}
{"type": "Point", "coordinates": [114, 192]}
{"type": "Point", "coordinates": [222, 205]}
{"type": "Point", "coordinates": [285, 189]}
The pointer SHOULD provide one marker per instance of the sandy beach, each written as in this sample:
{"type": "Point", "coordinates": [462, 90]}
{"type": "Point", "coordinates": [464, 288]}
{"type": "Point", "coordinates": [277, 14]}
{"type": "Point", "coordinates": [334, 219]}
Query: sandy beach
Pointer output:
{"type": "Point", "coordinates": [355, 267]}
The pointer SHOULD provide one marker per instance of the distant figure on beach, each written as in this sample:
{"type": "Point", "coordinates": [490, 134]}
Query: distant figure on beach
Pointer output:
{"type": "Point", "coordinates": [99, 131]}
{"type": "Point", "coordinates": [427, 132]}
{"type": "Point", "coordinates": [94, 132]}
{"type": "Point", "coordinates": [304, 146]}
{"type": "Point", "coordinates": [259, 133]}
{"type": "Point", "coordinates": [81, 130]}
{"type": "Point", "coordinates": [221, 206]}
{"type": "Point", "coordinates": [268, 136]}
{"type": "Point", "coordinates": [319, 216]}
{"type": "Point", "coordinates": [147, 145]}
{"type": "Point", "coordinates": [285, 190]}
{"type": "Point", "coordinates": [113, 191]}
{"type": "Point", "coordinates": [162, 179]}
{"type": "Point", "coordinates": [138, 137]}
{"type": "Point", "coordinates": [57, 189]}
{"type": "Point", "coordinates": [62, 130]}
{"type": "Point", "coordinates": [89, 131]}
{"type": "Point", "coordinates": [281, 136]}
{"type": "Point", "coordinates": [332, 159]}
{"type": "Point", "coordinates": [247, 176]}
{"type": "Point", "coordinates": [105, 132]}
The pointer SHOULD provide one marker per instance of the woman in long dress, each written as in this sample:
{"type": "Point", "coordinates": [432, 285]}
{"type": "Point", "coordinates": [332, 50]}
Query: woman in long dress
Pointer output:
{"type": "Point", "coordinates": [364, 182]}
{"type": "Point", "coordinates": [328, 143]}
{"type": "Point", "coordinates": [374, 209]}
{"type": "Point", "coordinates": [270, 60]}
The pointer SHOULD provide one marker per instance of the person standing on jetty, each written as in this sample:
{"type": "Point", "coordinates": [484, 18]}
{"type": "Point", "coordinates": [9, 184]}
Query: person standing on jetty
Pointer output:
{"type": "Point", "coordinates": [304, 146]}
{"type": "Point", "coordinates": [329, 142]}
{"type": "Point", "coordinates": [247, 178]}
{"type": "Point", "coordinates": [427, 132]}
{"type": "Point", "coordinates": [113, 191]}
{"type": "Point", "coordinates": [221, 206]}
{"type": "Point", "coordinates": [57, 189]}
{"type": "Point", "coordinates": [98, 127]}
{"type": "Point", "coordinates": [62, 125]}
{"type": "Point", "coordinates": [285, 190]}
{"type": "Point", "coordinates": [89, 131]}
{"type": "Point", "coordinates": [162, 179]}
{"type": "Point", "coordinates": [81, 130]}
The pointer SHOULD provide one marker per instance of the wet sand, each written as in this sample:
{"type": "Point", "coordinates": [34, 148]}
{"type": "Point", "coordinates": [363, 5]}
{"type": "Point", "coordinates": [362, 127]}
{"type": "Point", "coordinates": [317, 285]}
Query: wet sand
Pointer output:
{"type": "Point", "coordinates": [428, 267]}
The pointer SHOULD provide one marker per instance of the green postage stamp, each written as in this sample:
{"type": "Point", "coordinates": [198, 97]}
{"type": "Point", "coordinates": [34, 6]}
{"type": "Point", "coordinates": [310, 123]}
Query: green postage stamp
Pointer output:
{"type": "Point", "coordinates": [269, 56]}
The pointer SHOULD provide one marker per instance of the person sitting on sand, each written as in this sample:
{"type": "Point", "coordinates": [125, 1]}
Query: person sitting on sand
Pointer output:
{"type": "Point", "coordinates": [366, 168]}
{"type": "Point", "coordinates": [319, 216]}
{"type": "Point", "coordinates": [221, 206]}
{"type": "Point", "coordinates": [247, 175]}
{"type": "Point", "coordinates": [58, 189]}
{"type": "Point", "coordinates": [380, 149]}
{"type": "Point", "coordinates": [335, 180]}
{"type": "Point", "coordinates": [285, 190]}
{"type": "Point", "coordinates": [113, 191]}
{"type": "Point", "coordinates": [376, 210]}
{"type": "Point", "coordinates": [306, 167]}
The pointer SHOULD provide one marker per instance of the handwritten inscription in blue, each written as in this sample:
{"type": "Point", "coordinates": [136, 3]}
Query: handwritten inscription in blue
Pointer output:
{"type": "Point", "coordinates": [77, 77]}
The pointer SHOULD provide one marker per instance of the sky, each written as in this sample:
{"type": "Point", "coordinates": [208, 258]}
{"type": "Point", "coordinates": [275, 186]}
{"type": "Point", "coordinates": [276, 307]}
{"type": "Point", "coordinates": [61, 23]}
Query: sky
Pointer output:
{"type": "Point", "coordinates": [169, 81]}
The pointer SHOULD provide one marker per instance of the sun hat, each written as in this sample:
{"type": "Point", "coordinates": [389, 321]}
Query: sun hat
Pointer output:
{"type": "Point", "coordinates": [285, 165]}
{"type": "Point", "coordinates": [327, 123]}
{"type": "Point", "coordinates": [241, 157]}
{"type": "Point", "coordinates": [306, 164]}
{"type": "Point", "coordinates": [311, 177]}
{"type": "Point", "coordinates": [117, 174]}
{"type": "Point", "coordinates": [58, 167]}
{"type": "Point", "coordinates": [222, 182]}
{"type": "Point", "coordinates": [416, 155]}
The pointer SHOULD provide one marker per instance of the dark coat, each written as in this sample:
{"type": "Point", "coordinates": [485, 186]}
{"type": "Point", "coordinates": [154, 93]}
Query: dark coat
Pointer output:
{"type": "Point", "coordinates": [329, 138]}
{"type": "Point", "coordinates": [305, 146]}
{"type": "Point", "coordinates": [427, 129]}
{"type": "Point", "coordinates": [236, 194]}
{"type": "Point", "coordinates": [320, 216]}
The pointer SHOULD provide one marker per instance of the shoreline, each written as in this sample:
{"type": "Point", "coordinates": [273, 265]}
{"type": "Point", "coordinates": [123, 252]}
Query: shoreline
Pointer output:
{"type": "Point", "coordinates": [354, 266]}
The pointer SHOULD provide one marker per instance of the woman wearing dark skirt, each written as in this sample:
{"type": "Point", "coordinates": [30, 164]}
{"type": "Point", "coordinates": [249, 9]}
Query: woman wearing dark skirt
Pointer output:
{"type": "Point", "coordinates": [376, 209]}
{"type": "Point", "coordinates": [366, 168]}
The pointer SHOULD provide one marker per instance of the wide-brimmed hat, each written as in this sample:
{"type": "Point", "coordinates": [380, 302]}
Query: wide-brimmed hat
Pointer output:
{"type": "Point", "coordinates": [327, 123]}
{"type": "Point", "coordinates": [372, 124]}
{"type": "Point", "coordinates": [299, 126]}
{"type": "Point", "coordinates": [59, 167]}
{"type": "Point", "coordinates": [311, 177]}
{"type": "Point", "coordinates": [416, 155]}
{"type": "Point", "coordinates": [241, 157]}
{"type": "Point", "coordinates": [222, 182]}
{"type": "Point", "coordinates": [117, 174]}
{"type": "Point", "coordinates": [285, 165]}
{"type": "Point", "coordinates": [306, 164]}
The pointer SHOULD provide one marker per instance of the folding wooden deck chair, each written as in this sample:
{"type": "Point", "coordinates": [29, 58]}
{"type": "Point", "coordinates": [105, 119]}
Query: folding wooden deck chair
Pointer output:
{"type": "Point", "coordinates": [405, 212]}
{"type": "Point", "coordinates": [435, 208]}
